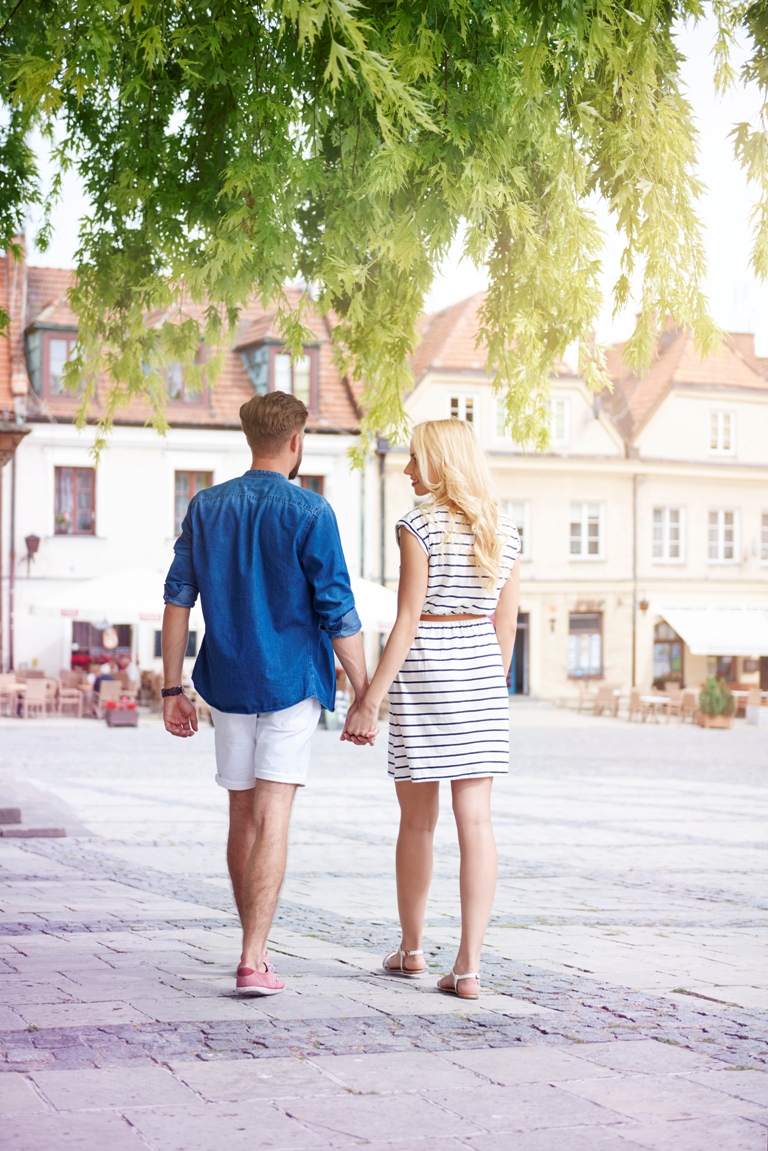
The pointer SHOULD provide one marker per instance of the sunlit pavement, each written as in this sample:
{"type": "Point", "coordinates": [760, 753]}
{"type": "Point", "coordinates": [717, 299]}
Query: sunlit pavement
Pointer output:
{"type": "Point", "coordinates": [626, 962]}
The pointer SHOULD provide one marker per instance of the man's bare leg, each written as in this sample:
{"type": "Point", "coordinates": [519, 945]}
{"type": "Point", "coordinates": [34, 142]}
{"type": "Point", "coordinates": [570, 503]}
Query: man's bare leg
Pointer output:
{"type": "Point", "coordinates": [242, 836]}
{"type": "Point", "coordinates": [266, 867]}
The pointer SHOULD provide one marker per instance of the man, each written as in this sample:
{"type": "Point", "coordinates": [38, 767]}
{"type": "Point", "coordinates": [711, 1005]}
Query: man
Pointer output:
{"type": "Point", "coordinates": [266, 558]}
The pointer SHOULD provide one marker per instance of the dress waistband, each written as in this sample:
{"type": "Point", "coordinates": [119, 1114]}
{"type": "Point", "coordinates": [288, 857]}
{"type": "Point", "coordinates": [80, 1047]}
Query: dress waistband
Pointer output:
{"type": "Point", "coordinates": [450, 618]}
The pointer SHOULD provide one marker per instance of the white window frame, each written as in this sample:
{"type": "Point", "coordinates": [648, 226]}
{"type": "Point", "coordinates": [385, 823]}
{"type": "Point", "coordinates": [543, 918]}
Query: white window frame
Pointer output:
{"type": "Point", "coordinates": [560, 441]}
{"type": "Point", "coordinates": [764, 537]}
{"type": "Point", "coordinates": [519, 511]}
{"type": "Point", "coordinates": [581, 511]}
{"type": "Point", "coordinates": [721, 530]}
{"type": "Point", "coordinates": [665, 541]}
{"type": "Point", "coordinates": [717, 424]}
{"type": "Point", "coordinates": [460, 399]}
{"type": "Point", "coordinates": [500, 416]}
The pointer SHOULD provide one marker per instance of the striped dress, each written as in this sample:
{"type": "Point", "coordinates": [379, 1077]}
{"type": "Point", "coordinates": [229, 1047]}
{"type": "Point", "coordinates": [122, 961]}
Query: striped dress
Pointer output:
{"type": "Point", "coordinates": [449, 705]}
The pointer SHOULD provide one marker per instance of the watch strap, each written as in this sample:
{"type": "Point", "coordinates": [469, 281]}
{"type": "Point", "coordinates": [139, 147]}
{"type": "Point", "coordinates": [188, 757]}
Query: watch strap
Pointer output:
{"type": "Point", "coordinates": [166, 691]}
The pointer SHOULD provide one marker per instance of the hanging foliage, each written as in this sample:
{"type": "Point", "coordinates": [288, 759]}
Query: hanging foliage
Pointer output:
{"type": "Point", "coordinates": [228, 147]}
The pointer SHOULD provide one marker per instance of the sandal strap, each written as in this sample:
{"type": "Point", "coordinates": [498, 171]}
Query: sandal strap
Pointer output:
{"type": "Point", "coordinates": [418, 952]}
{"type": "Point", "coordinates": [469, 975]}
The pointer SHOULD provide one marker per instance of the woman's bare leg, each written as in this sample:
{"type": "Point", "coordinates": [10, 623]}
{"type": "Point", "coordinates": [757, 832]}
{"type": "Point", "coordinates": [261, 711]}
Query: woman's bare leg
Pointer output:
{"type": "Point", "coordinates": [477, 876]}
{"type": "Point", "coordinates": [419, 803]}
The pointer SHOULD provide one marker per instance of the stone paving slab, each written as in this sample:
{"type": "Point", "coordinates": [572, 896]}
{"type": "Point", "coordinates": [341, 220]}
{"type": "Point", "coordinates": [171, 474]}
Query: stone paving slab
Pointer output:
{"type": "Point", "coordinates": [624, 973]}
{"type": "Point", "coordinates": [111, 1089]}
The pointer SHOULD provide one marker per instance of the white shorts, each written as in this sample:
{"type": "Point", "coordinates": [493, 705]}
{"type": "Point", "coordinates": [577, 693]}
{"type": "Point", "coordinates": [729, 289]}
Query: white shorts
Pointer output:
{"type": "Point", "coordinates": [274, 745]}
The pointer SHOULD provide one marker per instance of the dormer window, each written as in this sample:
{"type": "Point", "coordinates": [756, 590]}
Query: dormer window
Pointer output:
{"type": "Point", "coordinates": [176, 388]}
{"type": "Point", "coordinates": [48, 351]}
{"type": "Point", "coordinates": [270, 369]}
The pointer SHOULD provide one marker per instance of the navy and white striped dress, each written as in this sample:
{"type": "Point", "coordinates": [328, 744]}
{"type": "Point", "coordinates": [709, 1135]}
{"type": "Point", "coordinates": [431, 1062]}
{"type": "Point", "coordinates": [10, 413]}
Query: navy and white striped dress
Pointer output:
{"type": "Point", "coordinates": [449, 705]}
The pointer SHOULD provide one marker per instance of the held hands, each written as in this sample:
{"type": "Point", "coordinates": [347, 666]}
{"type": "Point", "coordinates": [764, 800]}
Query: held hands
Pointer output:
{"type": "Point", "coordinates": [179, 716]}
{"type": "Point", "coordinates": [361, 726]}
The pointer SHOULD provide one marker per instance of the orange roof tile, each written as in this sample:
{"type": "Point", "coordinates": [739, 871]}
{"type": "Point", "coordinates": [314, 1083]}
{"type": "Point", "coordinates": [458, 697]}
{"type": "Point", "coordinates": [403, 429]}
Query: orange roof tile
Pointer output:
{"type": "Point", "coordinates": [677, 363]}
{"type": "Point", "coordinates": [219, 406]}
{"type": "Point", "coordinates": [448, 339]}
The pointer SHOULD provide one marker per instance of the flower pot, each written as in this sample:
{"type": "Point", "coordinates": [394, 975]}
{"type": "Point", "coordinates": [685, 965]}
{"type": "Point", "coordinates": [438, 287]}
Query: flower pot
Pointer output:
{"type": "Point", "coordinates": [122, 717]}
{"type": "Point", "coordinates": [723, 721]}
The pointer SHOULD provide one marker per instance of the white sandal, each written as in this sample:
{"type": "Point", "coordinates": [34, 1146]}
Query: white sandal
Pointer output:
{"type": "Point", "coordinates": [456, 979]}
{"type": "Point", "coordinates": [401, 970]}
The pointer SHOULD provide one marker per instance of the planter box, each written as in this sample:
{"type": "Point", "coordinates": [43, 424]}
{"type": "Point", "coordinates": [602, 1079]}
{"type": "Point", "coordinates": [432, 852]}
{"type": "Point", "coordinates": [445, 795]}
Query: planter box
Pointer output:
{"type": "Point", "coordinates": [122, 717]}
{"type": "Point", "coordinates": [757, 715]}
{"type": "Point", "coordinates": [723, 721]}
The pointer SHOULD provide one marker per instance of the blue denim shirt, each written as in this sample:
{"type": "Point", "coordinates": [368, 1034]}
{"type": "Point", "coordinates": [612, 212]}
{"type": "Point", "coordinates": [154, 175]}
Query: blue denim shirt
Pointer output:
{"type": "Point", "coordinates": [266, 559]}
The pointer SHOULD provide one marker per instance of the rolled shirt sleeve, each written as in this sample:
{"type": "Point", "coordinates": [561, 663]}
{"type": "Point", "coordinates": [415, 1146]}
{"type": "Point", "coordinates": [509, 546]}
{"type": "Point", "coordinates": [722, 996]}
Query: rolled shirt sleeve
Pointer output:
{"type": "Point", "coordinates": [180, 584]}
{"type": "Point", "coordinates": [322, 561]}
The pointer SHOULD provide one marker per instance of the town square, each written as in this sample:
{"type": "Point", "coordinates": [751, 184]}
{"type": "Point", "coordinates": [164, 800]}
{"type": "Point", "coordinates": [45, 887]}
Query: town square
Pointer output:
{"type": "Point", "coordinates": [383, 575]}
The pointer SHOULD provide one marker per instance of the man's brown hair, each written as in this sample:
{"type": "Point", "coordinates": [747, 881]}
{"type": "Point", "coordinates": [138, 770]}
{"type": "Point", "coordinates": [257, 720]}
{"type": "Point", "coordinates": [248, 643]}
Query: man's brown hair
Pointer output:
{"type": "Point", "coordinates": [269, 421]}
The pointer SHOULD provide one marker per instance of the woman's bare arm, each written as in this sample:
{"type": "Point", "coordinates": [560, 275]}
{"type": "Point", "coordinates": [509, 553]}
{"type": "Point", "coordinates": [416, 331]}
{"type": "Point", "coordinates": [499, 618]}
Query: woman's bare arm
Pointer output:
{"type": "Point", "coordinates": [506, 616]}
{"type": "Point", "coordinates": [414, 573]}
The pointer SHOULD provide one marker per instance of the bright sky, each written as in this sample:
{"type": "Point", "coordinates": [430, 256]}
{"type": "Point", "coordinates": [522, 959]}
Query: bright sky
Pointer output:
{"type": "Point", "coordinates": [738, 301]}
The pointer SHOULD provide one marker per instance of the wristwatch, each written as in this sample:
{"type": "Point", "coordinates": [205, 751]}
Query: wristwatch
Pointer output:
{"type": "Point", "coordinates": [166, 691]}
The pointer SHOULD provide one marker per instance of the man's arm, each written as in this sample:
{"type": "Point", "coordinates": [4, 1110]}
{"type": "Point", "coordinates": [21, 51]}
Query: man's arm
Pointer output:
{"type": "Point", "coordinates": [351, 655]}
{"type": "Point", "coordinates": [179, 714]}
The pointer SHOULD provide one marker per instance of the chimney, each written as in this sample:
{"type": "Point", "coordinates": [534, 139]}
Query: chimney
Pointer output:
{"type": "Point", "coordinates": [744, 344]}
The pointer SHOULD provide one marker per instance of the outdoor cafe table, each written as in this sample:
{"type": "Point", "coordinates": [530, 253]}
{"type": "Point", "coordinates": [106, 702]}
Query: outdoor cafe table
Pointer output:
{"type": "Point", "coordinates": [654, 702]}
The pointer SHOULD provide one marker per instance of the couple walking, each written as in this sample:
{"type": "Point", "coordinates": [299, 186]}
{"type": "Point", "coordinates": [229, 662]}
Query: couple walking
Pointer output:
{"type": "Point", "coordinates": [265, 557]}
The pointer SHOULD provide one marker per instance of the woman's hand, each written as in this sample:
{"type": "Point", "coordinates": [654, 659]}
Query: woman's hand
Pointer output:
{"type": "Point", "coordinates": [362, 725]}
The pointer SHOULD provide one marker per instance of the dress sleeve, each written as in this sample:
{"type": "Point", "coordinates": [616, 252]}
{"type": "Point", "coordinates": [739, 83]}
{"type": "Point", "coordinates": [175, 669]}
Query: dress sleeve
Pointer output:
{"type": "Point", "coordinates": [415, 523]}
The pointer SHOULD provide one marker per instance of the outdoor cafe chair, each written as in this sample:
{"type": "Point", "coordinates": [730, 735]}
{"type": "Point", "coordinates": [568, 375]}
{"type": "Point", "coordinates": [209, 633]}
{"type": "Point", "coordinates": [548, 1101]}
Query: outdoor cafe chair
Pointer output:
{"type": "Point", "coordinates": [588, 696]}
{"type": "Point", "coordinates": [689, 704]}
{"type": "Point", "coordinates": [111, 691]}
{"type": "Point", "coordinates": [52, 688]}
{"type": "Point", "coordinates": [71, 697]}
{"type": "Point", "coordinates": [637, 707]}
{"type": "Point", "coordinates": [35, 698]}
{"type": "Point", "coordinates": [607, 696]}
{"type": "Point", "coordinates": [7, 694]}
{"type": "Point", "coordinates": [675, 705]}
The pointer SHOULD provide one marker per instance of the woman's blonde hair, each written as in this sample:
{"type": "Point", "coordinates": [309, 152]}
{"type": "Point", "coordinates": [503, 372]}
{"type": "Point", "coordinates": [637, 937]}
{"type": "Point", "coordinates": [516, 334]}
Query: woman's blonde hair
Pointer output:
{"type": "Point", "coordinates": [455, 470]}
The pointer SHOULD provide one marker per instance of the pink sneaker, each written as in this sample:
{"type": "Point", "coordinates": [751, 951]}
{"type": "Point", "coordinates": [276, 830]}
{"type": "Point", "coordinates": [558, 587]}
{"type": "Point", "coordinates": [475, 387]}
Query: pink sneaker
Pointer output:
{"type": "Point", "coordinates": [250, 982]}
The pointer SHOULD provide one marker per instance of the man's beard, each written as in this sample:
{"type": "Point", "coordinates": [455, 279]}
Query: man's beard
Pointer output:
{"type": "Point", "coordinates": [295, 469]}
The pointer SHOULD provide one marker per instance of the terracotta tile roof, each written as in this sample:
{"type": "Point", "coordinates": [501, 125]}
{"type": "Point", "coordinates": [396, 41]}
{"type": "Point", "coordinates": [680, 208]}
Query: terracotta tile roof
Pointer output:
{"type": "Point", "coordinates": [448, 339]}
{"type": "Point", "coordinates": [47, 305]}
{"type": "Point", "coordinates": [677, 363]}
{"type": "Point", "coordinates": [6, 401]}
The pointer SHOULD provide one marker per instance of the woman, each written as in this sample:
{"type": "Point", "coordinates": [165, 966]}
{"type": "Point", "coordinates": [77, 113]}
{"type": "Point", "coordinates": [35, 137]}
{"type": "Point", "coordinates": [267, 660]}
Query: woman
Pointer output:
{"type": "Point", "coordinates": [445, 668]}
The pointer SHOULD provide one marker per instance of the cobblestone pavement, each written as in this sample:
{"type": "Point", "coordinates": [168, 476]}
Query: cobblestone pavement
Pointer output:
{"type": "Point", "coordinates": [625, 973]}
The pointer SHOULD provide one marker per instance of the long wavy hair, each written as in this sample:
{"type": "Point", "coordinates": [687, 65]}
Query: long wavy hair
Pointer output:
{"type": "Point", "coordinates": [455, 470]}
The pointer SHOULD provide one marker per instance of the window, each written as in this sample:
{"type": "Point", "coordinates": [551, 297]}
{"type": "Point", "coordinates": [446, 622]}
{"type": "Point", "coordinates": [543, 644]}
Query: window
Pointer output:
{"type": "Point", "coordinates": [560, 428]}
{"type": "Point", "coordinates": [722, 428]}
{"type": "Point", "coordinates": [312, 484]}
{"type": "Point", "coordinates": [723, 536]}
{"type": "Point", "coordinates": [191, 651]}
{"type": "Point", "coordinates": [668, 535]}
{"type": "Point", "coordinates": [501, 420]}
{"type": "Point", "coordinates": [585, 645]}
{"type": "Point", "coordinates": [47, 353]}
{"type": "Point", "coordinates": [586, 539]}
{"type": "Point", "coordinates": [270, 369]}
{"type": "Point", "coordinates": [764, 538]}
{"type": "Point", "coordinates": [519, 511]}
{"type": "Point", "coordinates": [462, 408]}
{"type": "Point", "coordinates": [188, 484]}
{"type": "Point", "coordinates": [75, 491]}
{"type": "Point", "coordinates": [667, 655]}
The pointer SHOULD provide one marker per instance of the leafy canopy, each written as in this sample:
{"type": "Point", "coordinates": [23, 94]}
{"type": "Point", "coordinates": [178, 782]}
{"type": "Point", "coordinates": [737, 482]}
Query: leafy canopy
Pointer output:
{"type": "Point", "coordinates": [230, 146]}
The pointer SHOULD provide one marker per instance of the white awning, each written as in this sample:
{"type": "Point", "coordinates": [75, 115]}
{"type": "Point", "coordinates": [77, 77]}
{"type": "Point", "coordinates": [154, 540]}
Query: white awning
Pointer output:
{"type": "Point", "coordinates": [376, 605]}
{"type": "Point", "coordinates": [132, 595]}
{"type": "Point", "coordinates": [720, 630]}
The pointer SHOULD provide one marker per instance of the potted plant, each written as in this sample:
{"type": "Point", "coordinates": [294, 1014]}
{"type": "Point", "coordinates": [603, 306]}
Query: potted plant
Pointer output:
{"type": "Point", "coordinates": [121, 713]}
{"type": "Point", "coordinates": [716, 704]}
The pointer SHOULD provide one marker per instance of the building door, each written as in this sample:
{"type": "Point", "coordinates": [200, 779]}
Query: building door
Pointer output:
{"type": "Point", "coordinates": [764, 672]}
{"type": "Point", "coordinates": [517, 679]}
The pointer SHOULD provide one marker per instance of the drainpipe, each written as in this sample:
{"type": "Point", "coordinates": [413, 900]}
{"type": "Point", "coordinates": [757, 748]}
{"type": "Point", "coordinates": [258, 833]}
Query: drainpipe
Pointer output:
{"type": "Point", "coordinates": [635, 482]}
{"type": "Point", "coordinates": [381, 450]}
{"type": "Point", "coordinates": [12, 565]}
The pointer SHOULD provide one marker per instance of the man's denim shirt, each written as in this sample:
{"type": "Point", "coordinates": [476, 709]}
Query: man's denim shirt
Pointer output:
{"type": "Point", "coordinates": [266, 559]}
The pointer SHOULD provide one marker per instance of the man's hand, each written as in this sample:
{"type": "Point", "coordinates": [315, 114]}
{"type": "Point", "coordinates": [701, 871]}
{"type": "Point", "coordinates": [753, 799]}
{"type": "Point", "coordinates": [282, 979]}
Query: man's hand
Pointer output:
{"type": "Point", "coordinates": [179, 715]}
{"type": "Point", "coordinates": [361, 725]}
